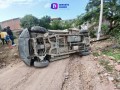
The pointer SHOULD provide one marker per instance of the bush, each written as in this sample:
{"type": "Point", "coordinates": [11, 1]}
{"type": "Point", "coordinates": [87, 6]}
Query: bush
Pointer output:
{"type": "Point", "coordinates": [105, 29]}
{"type": "Point", "coordinates": [92, 33]}
{"type": "Point", "coordinates": [116, 34]}
{"type": "Point", "coordinates": [56, 25]}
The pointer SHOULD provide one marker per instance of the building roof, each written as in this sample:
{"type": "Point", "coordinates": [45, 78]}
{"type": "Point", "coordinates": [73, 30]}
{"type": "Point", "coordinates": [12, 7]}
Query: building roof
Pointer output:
{"type": "Point", "coordinates": [10, 20]}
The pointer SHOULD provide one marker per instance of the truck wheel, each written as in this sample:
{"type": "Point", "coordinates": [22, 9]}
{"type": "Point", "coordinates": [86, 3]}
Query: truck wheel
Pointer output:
{"type": "Point", "coordinates": [83, 31]}
{"type": "Point", "coordinates": [84, 53]}
{"type": "Point", "coordinates": [41, 64]}
{"type": "Point", "coordinates": [38, 29]}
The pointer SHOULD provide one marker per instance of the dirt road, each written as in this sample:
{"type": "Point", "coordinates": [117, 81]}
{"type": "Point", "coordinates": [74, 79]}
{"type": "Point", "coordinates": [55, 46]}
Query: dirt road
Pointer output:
{"type": "Point", "coordinates": [22, 77]}
{"type": "Point", "coordinates": [69, 74]}
{"type": "Point", "coordinates": [74, 73]}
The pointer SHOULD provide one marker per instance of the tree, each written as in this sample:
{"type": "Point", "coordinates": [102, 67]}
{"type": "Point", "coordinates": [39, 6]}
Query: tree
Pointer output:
{"type": "Point", "coordinates": [79, 20]}
{"type": "Point", "coordinates": [90, 17]}
{"type": "Point", "coordinates": [28, 21]}
{"type": "Point", "coordinates": [56, 24]}
{"type": "Point", "coordinates": [67, 24]}
{"type": "Point", "coordinates": [113, 14]}
{"type": "Point", "coordinates": [111, 11]}
{"type": "Point", "coordinates": [45, 22]}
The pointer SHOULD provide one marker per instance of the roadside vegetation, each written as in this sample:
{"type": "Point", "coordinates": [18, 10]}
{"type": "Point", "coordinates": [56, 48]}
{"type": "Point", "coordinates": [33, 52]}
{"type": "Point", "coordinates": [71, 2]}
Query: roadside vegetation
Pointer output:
{"type": "Point", "coordinates": [115, 53]}
{"type": "Point", "coordinates": [106, 65]}
{"type": "Point", "coordinates": [46, 22]}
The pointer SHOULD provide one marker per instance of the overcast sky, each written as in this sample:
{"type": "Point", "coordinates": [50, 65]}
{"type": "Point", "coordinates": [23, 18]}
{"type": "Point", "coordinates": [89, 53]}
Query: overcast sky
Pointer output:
{"type": "Point", "coordinates": [18, 8]}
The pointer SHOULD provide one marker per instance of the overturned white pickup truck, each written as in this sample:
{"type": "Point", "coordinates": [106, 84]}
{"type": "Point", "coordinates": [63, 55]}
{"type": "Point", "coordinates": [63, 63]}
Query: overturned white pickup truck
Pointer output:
{"type": "Point", "coordinates": [38, 46]}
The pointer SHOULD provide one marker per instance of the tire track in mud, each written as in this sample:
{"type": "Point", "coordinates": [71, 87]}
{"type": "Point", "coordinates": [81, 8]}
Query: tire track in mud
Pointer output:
{"type": "Point", "coordinates": [85, 78]}
{"type": "Point", "coordinates": [83, 75]}
{"type": "Point", "coordinates": [73, 80]}
{"type": "Point", "coordinates": [70, 82]}
{"type": "Point", "coordinates": [26, 77]}
{"type": "Point", "coordinates": [33, 79]}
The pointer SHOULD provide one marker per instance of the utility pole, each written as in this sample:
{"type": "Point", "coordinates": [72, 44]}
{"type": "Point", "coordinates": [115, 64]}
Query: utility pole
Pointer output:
{"type": "Point", "coordinates": [100, 20]}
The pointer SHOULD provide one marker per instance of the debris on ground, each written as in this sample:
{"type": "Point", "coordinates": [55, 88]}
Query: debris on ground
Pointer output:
{"type": "Point", "coordinates": [117, 67]}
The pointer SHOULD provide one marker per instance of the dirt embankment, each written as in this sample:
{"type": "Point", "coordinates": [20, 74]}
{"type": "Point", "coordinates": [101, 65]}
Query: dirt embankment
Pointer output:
{"type": "Point", "coordinates": [8, 56]}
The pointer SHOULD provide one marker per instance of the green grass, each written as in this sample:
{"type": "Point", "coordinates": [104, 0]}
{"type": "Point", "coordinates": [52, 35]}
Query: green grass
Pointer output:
{"type": "Point", "coordinates": [114, 53]}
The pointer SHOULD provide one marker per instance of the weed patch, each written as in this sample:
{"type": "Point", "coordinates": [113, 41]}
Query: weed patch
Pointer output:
{"type": "Point", "coordinates": [112, 52]}
{"type": "Point", "coordinates": [96, 54]}
{"type": "Point", "coordinates": [106, 65]}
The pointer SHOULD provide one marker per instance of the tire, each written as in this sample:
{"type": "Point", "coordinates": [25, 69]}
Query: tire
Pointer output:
{"type": "Point", "coordinates": [85, 53]}
{"type": "Point", "coordinates": [38, 29]}
{"type": "Point", "coordinates": [84, 31]}
{"type": "Point", "coordinates": [41, 64]}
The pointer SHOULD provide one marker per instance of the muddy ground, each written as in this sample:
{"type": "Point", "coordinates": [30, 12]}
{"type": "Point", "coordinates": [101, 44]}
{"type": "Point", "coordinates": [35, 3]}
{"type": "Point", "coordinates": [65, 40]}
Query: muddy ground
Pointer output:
{"type": "Point", "coordinates": [8, 56]}
{"type": "Point", "coordinates": [74, 73]}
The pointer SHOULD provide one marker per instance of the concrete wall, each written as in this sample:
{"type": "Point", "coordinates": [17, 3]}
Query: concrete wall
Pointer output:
{"type": "Point", "coordinates": [13, 23]}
